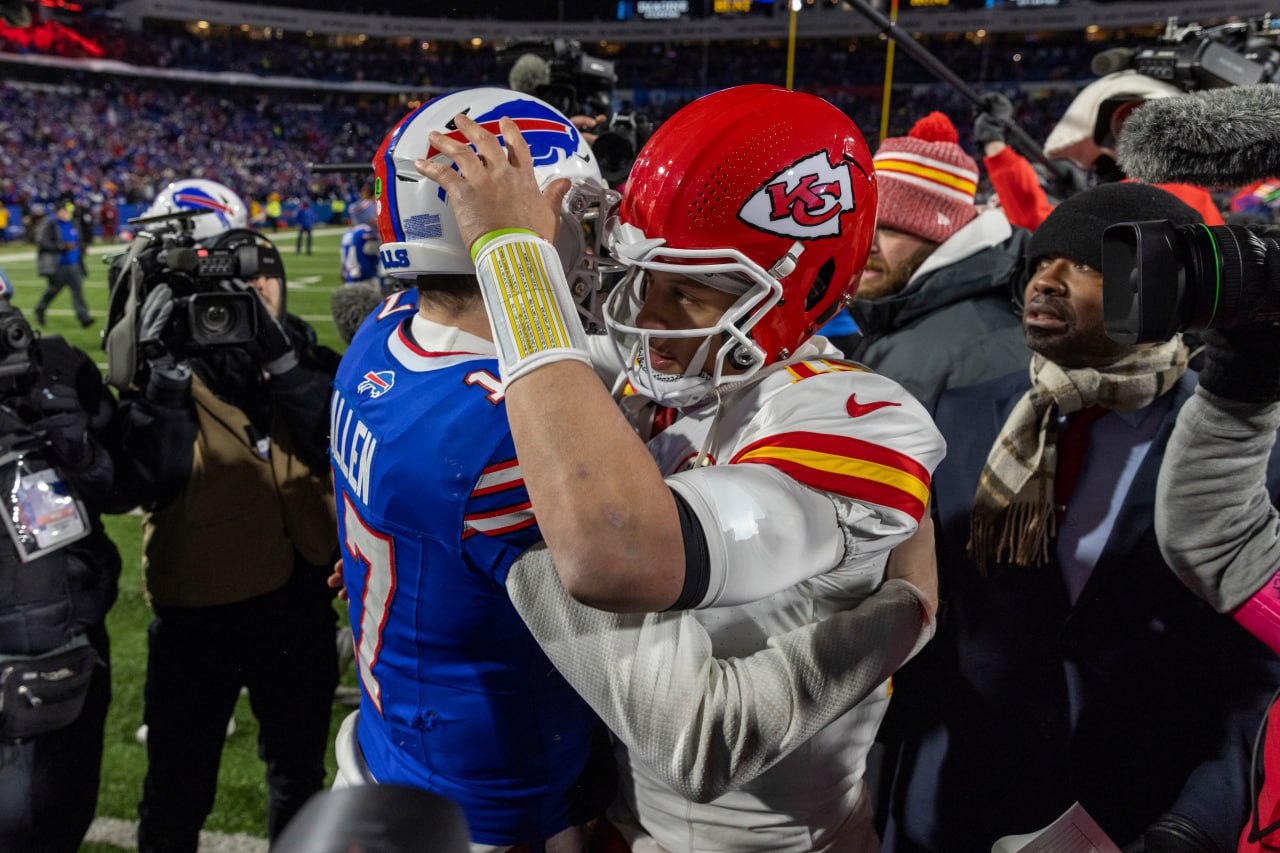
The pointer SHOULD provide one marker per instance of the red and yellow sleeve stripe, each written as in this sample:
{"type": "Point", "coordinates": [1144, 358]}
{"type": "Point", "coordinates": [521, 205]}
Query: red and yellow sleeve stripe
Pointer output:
{"type": "Point", "coordinates": [805, 369]}
{"type": "Point", "coordinates": [857, 469]}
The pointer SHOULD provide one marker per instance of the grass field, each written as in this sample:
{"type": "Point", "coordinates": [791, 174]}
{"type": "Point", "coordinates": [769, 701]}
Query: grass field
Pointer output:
{"type": "Point", "coordinates": [241, 802]}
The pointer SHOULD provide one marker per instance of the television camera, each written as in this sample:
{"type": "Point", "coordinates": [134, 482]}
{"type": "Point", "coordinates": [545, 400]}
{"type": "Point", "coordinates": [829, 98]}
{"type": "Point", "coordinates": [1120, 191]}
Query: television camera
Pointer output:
{"type": "Point", "coordinates": [561, 73]}
{"type": "Point", "coordinates": [1159, 278]}
{"type": "Point", "coordinates": [1193, 57]}
{"type": "Point", "coordinates": [213, 304]}
{"type": "Point", "coordinates": [16, 340]}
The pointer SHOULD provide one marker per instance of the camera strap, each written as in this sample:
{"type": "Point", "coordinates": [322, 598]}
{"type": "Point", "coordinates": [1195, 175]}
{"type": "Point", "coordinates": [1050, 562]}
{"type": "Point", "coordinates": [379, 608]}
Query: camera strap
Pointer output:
{"type": "Point", "coordinates": [121, 341]}
{"type": "Point", "coordinates": [41, 510]}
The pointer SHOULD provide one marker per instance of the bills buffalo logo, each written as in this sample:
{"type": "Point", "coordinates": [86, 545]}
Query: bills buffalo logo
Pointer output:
{"type": "Point", "coordinates": [804, 200]}
{"type": "Point", "coordinates": [197, 199]}
{"type": "Point", "coordinates": [550, 138]}
{"type": "Point", "coordinates": [377, 383]}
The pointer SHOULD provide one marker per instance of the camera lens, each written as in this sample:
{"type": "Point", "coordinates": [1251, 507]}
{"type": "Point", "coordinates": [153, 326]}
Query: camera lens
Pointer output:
{"type": "Point", "coordinates": [215, 319]}
{"type": "Point", "coordinates": [615, 152]}
{"type": "Point", "coordinates": [1159, 279]}
{"type": "Point", "coordinates": [15, 335]}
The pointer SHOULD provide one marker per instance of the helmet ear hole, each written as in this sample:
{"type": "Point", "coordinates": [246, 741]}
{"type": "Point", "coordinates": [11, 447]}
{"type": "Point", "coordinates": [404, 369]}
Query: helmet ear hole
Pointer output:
{"type": "Point", "coordinates": [741, 357]}
{"type": "Point", "coordinates": [821, 282]}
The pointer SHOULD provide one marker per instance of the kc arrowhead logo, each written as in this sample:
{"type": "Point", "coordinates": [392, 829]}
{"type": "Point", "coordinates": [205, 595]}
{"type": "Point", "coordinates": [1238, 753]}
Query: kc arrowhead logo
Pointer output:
{"type": "Point", "coordinates": [803, 201]}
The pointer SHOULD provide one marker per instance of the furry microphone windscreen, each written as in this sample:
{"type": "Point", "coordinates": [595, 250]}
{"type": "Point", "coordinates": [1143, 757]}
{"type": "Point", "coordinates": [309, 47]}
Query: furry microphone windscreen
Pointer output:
{"type": "Point", "coordinates": [529, 73]}
{"type": "Point", "coordinates": [1216, 138]}
{"type": "Point", "coordinates": [351, 304]}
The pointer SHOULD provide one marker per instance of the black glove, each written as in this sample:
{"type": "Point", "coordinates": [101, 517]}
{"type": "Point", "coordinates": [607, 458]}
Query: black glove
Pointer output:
{"type": "Point", "coordinates": [170, 378]}
{"type": "Point", "coordinates": [271, 348]}
{"type": "Point", "coordinates": [1242, 364]}
{"type": "Point", "coordinates": [1069, 180]}
{"type": "Point", "coordinates": [63, 425]}
{"type": "Point", "coordinates": [1172, 833]}
{"type": "Point", "coordinates": [992, 118]}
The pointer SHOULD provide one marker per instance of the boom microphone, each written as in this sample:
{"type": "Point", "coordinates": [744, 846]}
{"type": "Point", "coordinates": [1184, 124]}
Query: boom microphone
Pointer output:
{"type": "Point", "coordinates": [529, 73]}
{"type": "Point", "coordinates": [351, 304]}
{"type": "Point", "coordinates": [1112, 60]}
{"type": "Point", "coordinates": [1215, 138]}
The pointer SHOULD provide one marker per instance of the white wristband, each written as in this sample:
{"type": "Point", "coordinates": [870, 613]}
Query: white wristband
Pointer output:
{"type": "Point", "coordinates": [532, 314]}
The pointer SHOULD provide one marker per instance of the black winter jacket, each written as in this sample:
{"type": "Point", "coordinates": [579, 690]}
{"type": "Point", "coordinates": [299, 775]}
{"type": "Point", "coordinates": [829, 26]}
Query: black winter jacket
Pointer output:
{"type": "Point", "coordinates": [44, 603]}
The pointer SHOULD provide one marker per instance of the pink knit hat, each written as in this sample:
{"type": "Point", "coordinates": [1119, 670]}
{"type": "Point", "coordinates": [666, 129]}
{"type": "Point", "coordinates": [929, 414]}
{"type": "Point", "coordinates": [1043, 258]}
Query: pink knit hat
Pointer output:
{"type": "Point", "coordinates": [926, 181]}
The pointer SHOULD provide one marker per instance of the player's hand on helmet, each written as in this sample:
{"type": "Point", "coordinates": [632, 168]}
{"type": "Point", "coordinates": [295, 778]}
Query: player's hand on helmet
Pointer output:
{"type": "Point", "coordinates": [494, 187]}
{"type": "Point", "coordinates": [271, 347]}
{"type": "Point", "coordinates": [916, 562]}
{"type": "Point", "coordinates": [63, 424]}
{"type": "Point", "coordinates": [992, 119]}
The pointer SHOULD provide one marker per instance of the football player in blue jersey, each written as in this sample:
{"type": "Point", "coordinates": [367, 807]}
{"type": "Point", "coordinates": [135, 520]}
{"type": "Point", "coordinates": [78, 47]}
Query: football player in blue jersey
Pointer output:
{"type": "Point", "coordinates": [751, 474]}
{"type": "Point", "coordinates": [440, 542]}
{"type": "Point", "coordinates": [456, 697]}
{"type": "Point", "coordinates": [360, 245]}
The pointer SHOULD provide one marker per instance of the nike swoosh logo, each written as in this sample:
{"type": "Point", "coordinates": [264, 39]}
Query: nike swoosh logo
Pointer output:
{"type": "Point", "coordinates": [586, 158]}
{"type": "Point", "coordinates": [857, 410]}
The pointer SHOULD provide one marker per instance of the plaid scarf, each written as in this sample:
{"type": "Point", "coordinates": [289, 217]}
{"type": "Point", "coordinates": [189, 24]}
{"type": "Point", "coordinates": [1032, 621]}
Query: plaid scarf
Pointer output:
{"type": "Point", "coordinates": [1013, 509]}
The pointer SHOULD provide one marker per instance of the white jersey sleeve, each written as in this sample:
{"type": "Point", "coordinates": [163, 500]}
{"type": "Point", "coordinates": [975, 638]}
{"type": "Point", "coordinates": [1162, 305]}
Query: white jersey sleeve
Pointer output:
{"type": "Point", "coordinates": [710, 725]}
{"type": "Point", "coordinates": [828, 466]}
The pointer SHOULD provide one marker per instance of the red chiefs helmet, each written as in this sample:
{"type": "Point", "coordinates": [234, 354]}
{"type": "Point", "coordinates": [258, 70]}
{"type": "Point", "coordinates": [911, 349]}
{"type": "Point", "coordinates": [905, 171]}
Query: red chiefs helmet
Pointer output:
{"type": "Point", "coordinates": [764, 192]}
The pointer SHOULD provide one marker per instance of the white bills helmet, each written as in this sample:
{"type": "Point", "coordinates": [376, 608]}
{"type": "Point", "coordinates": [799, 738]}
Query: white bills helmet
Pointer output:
{"type": "Point", "coordinates": [419, 233]}
{"type": "Point", "coordinates": [226, 209]}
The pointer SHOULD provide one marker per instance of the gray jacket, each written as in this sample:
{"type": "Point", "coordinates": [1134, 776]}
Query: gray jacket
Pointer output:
{"type": "Point", "coordinates": [954, 324]}
{"type": "Point", "coordinates": [1214, 518]}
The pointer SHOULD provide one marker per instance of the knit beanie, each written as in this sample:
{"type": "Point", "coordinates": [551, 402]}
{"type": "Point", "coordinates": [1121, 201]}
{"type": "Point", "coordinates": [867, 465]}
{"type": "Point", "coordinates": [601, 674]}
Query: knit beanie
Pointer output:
{"type": "Point", "coordinates": [1074, 228]}
{"type": "Point", "coordinates": [926, 181]}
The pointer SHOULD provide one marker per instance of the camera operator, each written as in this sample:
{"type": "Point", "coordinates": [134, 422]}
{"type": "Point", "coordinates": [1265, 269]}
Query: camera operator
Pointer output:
{"type": "Point", "coordinates": [227, 448]}
{"type": "Point", "coordinates": [1228, 551]}
{"type": "Point", "coordinates": [58, 579]}
{"type": "Point", "coordinates": [1084, 138]}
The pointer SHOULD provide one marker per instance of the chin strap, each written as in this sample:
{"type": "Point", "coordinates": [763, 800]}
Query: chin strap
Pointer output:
{"type": "Point", "coordinates": [786, 264]}
{"type": "Point", "coordinates": [532, 313]}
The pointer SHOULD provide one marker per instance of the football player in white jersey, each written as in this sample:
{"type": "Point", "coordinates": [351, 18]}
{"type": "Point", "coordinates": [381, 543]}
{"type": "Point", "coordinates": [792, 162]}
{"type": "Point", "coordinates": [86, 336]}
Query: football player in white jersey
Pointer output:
{"type": "Point", "coordinates": [751, 459]}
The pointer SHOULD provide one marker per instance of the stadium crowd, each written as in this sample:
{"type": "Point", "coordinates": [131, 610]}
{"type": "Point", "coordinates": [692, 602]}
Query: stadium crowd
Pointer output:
{"type": "Point", "coordinates": [129, 141]}
{"type": "Point", "coordinates": [629, 568]}
{"type": "Point", "coordinates": [97, 139]}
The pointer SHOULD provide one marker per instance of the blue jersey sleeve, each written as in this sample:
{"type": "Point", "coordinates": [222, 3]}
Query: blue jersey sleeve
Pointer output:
{"type": "Point", "coordinates": [498, 522]}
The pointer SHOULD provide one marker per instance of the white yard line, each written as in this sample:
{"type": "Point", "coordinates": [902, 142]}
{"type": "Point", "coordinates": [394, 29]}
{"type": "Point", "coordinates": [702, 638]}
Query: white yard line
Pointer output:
{"type": "Point", "coordinates": [124, 834]}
